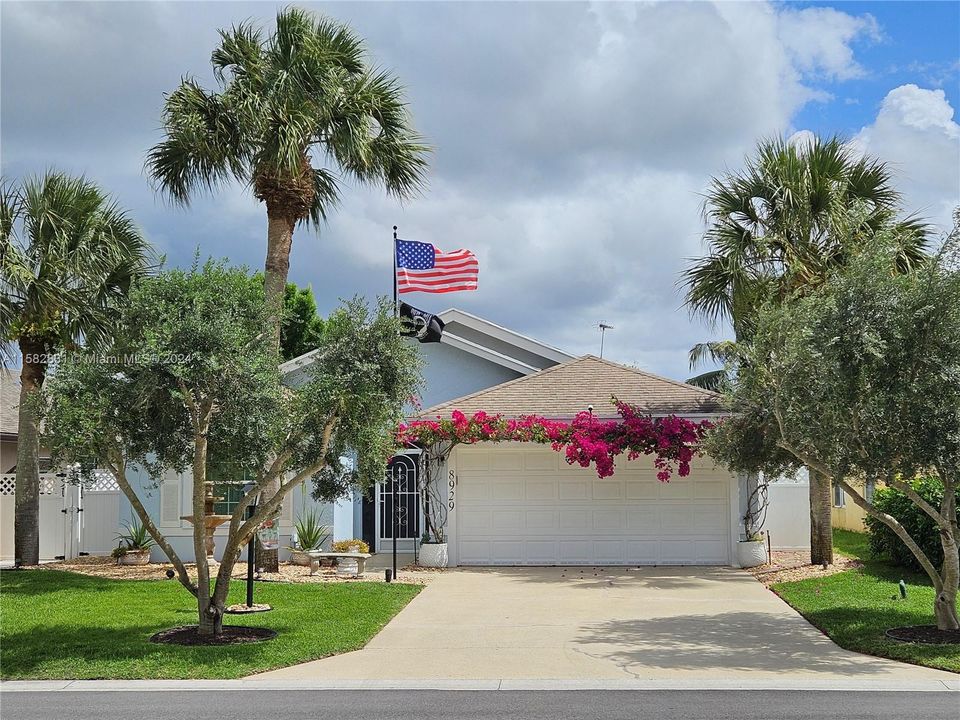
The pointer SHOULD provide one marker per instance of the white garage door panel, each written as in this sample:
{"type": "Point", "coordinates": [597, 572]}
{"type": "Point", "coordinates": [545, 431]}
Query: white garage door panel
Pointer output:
{"type": "Point", "coordinates": [525, 508]}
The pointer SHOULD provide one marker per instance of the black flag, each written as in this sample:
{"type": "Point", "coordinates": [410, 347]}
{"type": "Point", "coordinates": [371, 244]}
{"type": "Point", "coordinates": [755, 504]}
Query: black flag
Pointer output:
{"type": "Point", "coordinates": [420, 324]}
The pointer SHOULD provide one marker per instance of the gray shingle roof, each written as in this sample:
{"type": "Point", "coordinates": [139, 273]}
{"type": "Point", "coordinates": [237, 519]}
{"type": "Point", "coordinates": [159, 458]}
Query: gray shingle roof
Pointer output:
{"type": "Point", "coordinates": [564, 390]}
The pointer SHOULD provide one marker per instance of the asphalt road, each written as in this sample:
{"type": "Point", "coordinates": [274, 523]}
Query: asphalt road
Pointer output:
{"type": "Point", "coordinates": [476, 705]}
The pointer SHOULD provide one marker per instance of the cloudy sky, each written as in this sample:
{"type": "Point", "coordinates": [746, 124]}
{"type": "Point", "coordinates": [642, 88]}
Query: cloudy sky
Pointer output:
{"type": "Point", "coordinates": [571, 141]}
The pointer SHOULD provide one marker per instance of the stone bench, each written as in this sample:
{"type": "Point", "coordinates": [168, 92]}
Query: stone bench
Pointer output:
{"type": "Point", "coordinates": [316, 556]}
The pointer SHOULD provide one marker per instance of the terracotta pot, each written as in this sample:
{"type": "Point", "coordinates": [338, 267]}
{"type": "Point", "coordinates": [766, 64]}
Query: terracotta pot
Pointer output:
{"type": "Point", "coordinates": [134, 557]}
{"type": "Point", "coordinates": [433, 555]}
{"type": "Point", "coordinates": [751, 553]}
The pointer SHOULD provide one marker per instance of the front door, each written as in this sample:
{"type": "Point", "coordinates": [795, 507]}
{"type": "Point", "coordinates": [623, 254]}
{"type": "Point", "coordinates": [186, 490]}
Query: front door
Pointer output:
{"type": "Point", "coordinates": [398, 505]}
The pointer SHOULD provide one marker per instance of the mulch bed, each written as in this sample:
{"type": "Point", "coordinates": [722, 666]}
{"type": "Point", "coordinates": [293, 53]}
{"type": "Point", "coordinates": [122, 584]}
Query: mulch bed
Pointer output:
{"type": "Point", "coordinates": [926, 634]}
{"type": "Point", "coordinates": [232, 635]}
{"type": "Point", "coordinates": [289, 573]}
{"type": "Point", "coordinates": [790, 565]}
{"type": "Point", "coordinates": [242, 609]}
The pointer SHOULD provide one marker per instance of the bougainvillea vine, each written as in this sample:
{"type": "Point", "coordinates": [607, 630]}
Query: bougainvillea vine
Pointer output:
{"type": "Point", "coordinates": [585, 441]}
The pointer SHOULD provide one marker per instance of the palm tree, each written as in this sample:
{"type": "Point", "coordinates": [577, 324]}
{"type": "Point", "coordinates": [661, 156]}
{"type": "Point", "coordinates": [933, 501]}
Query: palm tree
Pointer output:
{"type": "Point", "coordinates": [304, 93]}
{"type": "Point", "coordinates": [777, 229]}
{"type": "Point", "coordinates": [68, 256]}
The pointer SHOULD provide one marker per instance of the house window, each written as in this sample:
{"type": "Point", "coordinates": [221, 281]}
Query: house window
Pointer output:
{"type": "Point", "coordinates": [232, 493]}
{"type": "Point", "coordinates": [839, 498]}
{"type": "Point", "coordinates": [227, 484]}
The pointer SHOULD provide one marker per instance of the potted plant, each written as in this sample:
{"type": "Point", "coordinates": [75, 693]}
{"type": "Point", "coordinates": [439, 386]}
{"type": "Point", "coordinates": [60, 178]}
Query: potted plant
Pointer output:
{"type": "Point", "coordinates": [311, 535]}
{"type": "Point", "coordinates": [134, 547]}
{"type": "Point", "coordinates": [752, 551]}
{"type": "Point", "coordinates": [433, 499]}
{"type": "Point", "coordinates": [353, 545]}
{"type": "Point", "coordinates": [433, 551]}
{"type": "Point", "coordinates": [348, 566]}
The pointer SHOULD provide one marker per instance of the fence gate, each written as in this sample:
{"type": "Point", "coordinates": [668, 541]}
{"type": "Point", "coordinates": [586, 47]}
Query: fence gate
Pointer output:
{"type": "Point", "coordinates": [99, 514]}
{"type": "Point", "coordinates": [73, 520]}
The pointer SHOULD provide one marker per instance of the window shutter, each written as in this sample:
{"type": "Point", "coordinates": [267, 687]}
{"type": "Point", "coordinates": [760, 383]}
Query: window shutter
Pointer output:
{"type": "Point", "coordinates": [170, 501]}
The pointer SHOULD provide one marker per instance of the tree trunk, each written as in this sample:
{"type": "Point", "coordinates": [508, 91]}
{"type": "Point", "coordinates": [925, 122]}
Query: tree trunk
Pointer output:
{"type": "Point", "coordinates": [276, 268]}
{"type": "Point", "coordinates": [26, 524]}
{"type": "Point", "coordinates": [821, 523]}
{"type": "Point", "coordinates": [211, 617]}
{"type": "Point", "coordinates": [945, 604]}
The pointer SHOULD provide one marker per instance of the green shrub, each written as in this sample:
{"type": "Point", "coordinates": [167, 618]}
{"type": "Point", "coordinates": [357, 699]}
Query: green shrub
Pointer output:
{"type": "Point", "coordinates": [345, 545]}
{"type": "Point", "coordinates": [883, 541]}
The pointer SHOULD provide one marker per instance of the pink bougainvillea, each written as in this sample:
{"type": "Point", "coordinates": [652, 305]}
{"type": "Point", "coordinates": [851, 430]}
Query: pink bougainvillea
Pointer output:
{"type": "Point", "coordinates": [585, 441]}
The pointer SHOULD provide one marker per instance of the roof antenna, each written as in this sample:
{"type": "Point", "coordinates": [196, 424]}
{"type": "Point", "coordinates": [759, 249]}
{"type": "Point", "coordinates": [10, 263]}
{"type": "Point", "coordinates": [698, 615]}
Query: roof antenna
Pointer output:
{"type": "Point", "coordinates": [603, 329]}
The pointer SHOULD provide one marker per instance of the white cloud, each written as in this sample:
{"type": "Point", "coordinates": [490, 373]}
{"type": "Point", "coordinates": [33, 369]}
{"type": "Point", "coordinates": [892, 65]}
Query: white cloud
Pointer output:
{"type": "Point", "coordinates": [572, 142]}
{"type": "Point", "coordinates": [820, 40]}
{"type": "Point", "coordinates": [915, 132]}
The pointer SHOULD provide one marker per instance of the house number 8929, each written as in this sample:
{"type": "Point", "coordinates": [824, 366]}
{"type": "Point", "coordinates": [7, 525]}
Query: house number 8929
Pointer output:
{"type": "Point", "coordinates": [452, 482]}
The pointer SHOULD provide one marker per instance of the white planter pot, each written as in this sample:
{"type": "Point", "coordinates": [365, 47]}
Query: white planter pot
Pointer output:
{"type": "Point", "coordinates": [751, 553]}
{"type": "Point", "coordinates": [433, 555]}
{"type": "Point", "coordinates": [134, 557]}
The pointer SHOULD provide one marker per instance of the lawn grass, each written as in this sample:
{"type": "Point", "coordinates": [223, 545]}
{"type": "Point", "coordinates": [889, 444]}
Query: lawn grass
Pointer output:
{"type": "Point", "coordinates": [852, 544]}
{"type": "Point", "coordinates": [854, 608]}
{"type": "Point", "coordinates": [61, 625]}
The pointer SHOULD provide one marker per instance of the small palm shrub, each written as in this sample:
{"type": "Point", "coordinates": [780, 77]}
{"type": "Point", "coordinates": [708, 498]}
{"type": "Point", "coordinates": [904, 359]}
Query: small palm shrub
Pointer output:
{"type": "Point", "coordinates": [345, 545]}
{"type": "Point", "coordinates": [311, 534]}
{"type": "Point", "coordinates": [884, 543]}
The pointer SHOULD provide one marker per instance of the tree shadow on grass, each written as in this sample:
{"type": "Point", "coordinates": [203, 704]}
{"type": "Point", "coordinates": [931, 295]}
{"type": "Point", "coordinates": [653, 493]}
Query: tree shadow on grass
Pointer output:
{"type": "Point", "coordinates": [40, 581]}
{"type": "Point", "coordinates": [92, 652]}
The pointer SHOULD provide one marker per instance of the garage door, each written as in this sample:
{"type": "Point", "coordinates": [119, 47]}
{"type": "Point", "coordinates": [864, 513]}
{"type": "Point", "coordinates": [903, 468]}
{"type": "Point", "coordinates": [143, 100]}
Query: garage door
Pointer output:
{"type": "Point", "coordinates": [528, 507]}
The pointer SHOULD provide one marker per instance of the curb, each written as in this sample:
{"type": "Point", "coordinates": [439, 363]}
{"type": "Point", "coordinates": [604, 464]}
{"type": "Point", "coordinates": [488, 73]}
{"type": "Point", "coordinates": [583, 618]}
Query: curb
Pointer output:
{"type": "Point", "coordinates": [501, 685]}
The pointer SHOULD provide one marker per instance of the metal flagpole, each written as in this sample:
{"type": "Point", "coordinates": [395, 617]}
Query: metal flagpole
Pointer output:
{"type": "Point", "coordinates": [396, 301]}
{"type": "Point", "coordinates": [396, 519]}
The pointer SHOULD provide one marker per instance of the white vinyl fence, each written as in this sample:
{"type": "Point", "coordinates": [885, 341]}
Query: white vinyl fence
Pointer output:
{"type": "Point", "coordinates": [788, 515]}
{"type": "Point", "coordinates": [74, 520]}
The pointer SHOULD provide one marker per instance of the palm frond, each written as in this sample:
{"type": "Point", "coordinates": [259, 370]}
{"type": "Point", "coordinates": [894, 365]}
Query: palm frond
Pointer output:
{"type": "Point", "coordinates": [71, 254]}
{"type": "Point", "coordinates": [206, 144]}
{"type": "Point", "coordinates": [713, 380]}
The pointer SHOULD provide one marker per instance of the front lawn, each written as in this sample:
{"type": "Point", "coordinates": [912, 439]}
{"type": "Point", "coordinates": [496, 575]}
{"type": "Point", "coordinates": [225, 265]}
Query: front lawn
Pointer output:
{"type": "Point", "coordinates": [58, 625]}
{"type": "Point", "coordinates": [855, 607]}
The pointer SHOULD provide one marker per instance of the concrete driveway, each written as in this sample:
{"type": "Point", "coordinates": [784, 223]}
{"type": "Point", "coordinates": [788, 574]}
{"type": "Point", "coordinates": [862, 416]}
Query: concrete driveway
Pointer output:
{"type": "Point", "coordinates": [687, 625]}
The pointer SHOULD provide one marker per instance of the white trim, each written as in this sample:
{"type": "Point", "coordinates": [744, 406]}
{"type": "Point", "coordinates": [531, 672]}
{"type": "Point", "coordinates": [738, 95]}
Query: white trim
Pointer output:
{"type": "Point", "coordinates": [506, 335]}
{"type": "Point", "coordinates": [298, 362]}
{"type": "Point", "coordinates": [473, 348]}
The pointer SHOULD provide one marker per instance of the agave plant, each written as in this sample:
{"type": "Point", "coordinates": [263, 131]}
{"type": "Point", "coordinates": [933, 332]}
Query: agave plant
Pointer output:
{"type": "Point", "coordinates": [311, 534]}
{"type": "Point", "coordinates": [137, 537]}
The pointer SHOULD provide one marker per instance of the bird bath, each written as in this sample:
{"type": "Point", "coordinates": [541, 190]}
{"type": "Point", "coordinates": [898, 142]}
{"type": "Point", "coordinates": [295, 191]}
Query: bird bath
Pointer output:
{"type": "Point", "coordinates": [211, 521]}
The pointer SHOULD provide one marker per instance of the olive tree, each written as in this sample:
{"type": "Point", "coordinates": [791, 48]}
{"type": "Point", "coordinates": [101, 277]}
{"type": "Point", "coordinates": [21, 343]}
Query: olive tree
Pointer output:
{"type": "Point", "coordinates": [192, 382]}
{"type": "Point", "coordinates": [860, 381]}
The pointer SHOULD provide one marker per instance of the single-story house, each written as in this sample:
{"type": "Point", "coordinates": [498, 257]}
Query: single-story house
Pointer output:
{"type": "Point", "coordinates": [512, 504]}
{"type": "Point", "coordinates": [474, 354]}
{"type": "Point", "coordinates": [522, 504]}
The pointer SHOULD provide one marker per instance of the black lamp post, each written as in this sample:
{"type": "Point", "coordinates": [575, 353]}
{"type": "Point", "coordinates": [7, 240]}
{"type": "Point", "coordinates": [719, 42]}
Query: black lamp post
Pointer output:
{"type": "Point", "coordinates": [251, 552]}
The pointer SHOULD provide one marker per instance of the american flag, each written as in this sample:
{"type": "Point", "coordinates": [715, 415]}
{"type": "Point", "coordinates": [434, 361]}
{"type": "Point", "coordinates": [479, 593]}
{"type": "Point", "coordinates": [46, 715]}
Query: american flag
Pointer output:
{"type": "Point", "coordinates": [424, 268]}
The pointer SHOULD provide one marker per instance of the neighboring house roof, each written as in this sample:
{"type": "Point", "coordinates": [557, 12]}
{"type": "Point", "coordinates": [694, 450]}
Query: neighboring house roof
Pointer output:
{"type": "Point", "coordinates": [478, 337]}
{"type": "Point", "coordinates": [562, 391]}
{"type": "Point", "coordinates": [9, 403]}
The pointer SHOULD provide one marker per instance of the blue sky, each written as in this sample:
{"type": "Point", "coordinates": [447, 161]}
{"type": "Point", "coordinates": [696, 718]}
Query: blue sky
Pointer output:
{"type": "Point", "coordinates": [572, 142]}
{"type": "Point", "coordinates": [918, 44]}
